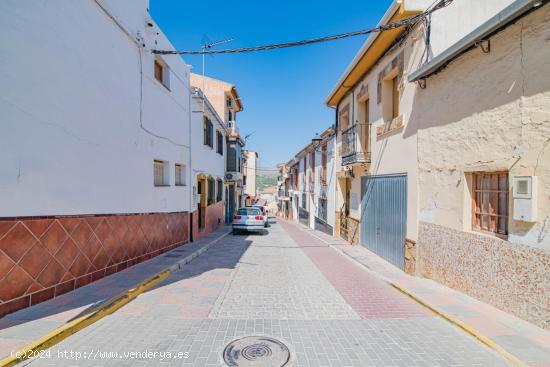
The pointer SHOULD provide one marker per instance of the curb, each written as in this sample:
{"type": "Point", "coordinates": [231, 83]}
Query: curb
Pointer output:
{"type": "Point", "coordinates": [54, 337]}
{"type": "Point", "coordinates": [453, 320]}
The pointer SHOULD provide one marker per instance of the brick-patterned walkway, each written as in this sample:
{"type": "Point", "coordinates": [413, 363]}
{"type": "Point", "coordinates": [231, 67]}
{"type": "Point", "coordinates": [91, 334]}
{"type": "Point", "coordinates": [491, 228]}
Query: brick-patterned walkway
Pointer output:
{"type": "Point", "coordinates": [329, 312]}
{"type": "Point", "coordinates": [369, 296]}
{"type": "Point", "coordinates": [526, 341]}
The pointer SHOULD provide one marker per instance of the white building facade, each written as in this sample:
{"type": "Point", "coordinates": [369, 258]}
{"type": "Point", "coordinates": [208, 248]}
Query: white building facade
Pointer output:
{"type": "Point", "coordinates": [94, 142]}
{"type": "Point", "coordinates": [208, 136]}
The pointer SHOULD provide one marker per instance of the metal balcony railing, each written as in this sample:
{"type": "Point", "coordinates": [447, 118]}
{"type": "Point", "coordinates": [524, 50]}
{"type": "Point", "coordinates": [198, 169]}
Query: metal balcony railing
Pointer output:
{"type": "Point", "coordinates": [354, 144]}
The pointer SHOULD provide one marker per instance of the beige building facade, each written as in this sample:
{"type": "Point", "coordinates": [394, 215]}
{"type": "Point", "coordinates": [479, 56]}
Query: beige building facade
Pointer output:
{"type": "Point", "coordinates": [442, 156]}
{"type": "Point", "coordinates": [483, 154]}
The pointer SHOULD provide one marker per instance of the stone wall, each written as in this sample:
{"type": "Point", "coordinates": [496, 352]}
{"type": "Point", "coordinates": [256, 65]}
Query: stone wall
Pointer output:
{"type": "Point", "coordinates": [43, 257]}
{"type": "Point", "coordinates": [514, 278]}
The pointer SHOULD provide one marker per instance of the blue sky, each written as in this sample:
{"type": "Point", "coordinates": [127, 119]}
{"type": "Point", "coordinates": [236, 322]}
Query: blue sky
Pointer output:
{"type": "Point", "coordinates": [283, 90]}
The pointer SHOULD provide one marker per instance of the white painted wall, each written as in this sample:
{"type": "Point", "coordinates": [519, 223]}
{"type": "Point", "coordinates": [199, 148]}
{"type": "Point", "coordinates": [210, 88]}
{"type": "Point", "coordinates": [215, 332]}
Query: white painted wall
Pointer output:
{"type": "Point", "coordinates": [71, 141]}
{"type": "Point", "coordinates": [251, 171]}
{"type": "Point", "coordinates": [205, 159]}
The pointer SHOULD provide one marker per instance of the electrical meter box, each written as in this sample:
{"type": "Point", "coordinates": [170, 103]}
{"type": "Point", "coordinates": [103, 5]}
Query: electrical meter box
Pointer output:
{"type": "Point", "coordinates": [525, 198]}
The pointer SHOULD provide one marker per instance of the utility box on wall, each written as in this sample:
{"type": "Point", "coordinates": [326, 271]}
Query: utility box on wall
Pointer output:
{"type": "Point", "coordinates": [525, 198]}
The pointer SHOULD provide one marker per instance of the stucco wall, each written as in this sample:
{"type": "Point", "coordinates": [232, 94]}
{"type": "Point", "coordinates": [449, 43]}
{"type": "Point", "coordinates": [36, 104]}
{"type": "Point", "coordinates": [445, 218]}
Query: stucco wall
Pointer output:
{"type": "Point", "coordinates": [205, 159]}
{"type": "Point", "coordinates": [491, 114]}
{"type": "Point", "coordinates": [488, 112]}
{"type": "Point", "coordinates": [394, 152]}
{"type": "Point", "coordinates": [71, 140]}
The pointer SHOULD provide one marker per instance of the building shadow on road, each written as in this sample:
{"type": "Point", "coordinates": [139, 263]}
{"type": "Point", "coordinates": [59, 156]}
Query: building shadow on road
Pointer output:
{"type": "Point", "coordinates": [35, 321]}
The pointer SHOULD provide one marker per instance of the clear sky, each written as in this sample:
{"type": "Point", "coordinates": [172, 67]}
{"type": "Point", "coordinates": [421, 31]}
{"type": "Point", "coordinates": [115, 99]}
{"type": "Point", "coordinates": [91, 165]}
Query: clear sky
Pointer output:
{"type": "Point", "coordinates": [283, 90]}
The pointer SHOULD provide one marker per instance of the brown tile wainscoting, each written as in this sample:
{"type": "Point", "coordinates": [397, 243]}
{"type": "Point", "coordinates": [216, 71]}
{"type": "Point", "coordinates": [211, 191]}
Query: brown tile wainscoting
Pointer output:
{"type": "Point", "coordinates": [43, 257]}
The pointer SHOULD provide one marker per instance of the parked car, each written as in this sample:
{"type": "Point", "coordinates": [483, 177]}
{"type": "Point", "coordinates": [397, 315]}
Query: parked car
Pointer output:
{"type": "Point", "coordinates": [264, 214]}
{"type": "Point", "coordinates": [248, 219]}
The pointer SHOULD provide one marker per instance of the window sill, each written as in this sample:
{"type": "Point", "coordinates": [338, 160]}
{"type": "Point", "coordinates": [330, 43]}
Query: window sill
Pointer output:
{"type": "Point", "coordinates": [180, 185]}
{"type": "Point", "coordinates": [162, 185]}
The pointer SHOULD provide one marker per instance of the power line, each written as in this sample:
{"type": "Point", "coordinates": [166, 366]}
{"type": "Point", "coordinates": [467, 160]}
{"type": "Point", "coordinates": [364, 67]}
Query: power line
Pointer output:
{"type": "Point", "coordinates": [407, 21]}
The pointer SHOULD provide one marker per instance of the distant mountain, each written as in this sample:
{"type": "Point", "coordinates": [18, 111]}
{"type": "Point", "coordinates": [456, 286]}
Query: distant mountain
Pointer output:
{"type": "Point", "coordinates": [264, 181]}
{"type": "Point", "coordinates": [267, 171]}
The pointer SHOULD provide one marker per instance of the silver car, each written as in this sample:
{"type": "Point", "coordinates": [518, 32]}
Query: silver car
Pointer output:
{"type": "Point", "coordinates": [248, 219]}
{"type": "Point", "coordinates": [263, 213]}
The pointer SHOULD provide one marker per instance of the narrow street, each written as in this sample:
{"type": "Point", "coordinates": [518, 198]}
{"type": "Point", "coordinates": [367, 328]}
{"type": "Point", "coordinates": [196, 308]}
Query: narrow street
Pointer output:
{"type": "Point", "coordinates": [288, 285]}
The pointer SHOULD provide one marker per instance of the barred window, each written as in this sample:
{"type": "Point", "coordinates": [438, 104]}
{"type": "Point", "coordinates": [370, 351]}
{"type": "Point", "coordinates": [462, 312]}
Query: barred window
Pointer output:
{"type": "Point", "coordinates": [490, 202]}
{"type": "Point", "coordinates": [219, 138]}
{"type": "Point", "coordinates": [208, 132]}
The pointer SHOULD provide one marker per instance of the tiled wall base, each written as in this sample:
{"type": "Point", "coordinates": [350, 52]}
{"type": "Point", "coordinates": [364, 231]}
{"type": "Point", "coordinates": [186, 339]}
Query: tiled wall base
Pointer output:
{"type": "Point", "coordinates": [514, 278]}
{"type": "Point", "coordinates": [214, 218]}
{"type": "Point", "coordinates": [41, 258]}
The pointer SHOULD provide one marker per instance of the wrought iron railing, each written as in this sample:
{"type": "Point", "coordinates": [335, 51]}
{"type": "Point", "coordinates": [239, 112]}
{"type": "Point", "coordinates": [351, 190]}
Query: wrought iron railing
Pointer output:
{"type": "Point", "coordinates": [355, 147]}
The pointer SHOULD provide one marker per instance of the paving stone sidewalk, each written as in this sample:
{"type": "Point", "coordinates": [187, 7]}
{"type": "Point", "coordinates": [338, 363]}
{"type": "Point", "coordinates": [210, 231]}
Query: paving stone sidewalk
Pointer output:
{"type": "Point", "coordinates": [24, 326]}
{"type": "Point", "coordinates": [249, 285]}
{"type": "Point", "coordinates": [524, 340]}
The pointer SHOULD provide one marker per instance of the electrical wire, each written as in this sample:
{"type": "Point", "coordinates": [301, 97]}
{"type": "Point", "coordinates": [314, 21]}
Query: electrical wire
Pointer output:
{"type": "Point", "coordinates": [407, 21]}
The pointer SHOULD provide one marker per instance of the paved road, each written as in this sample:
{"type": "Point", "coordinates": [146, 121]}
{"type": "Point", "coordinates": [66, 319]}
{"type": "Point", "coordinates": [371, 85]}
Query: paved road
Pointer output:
{"type": "Point", "coordinates": [288, 285]}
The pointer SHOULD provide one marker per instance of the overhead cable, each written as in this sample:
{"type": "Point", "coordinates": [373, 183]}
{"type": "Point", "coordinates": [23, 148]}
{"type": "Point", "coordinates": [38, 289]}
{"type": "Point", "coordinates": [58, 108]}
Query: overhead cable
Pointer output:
{"type": "Point", "coordinates": [385, 27]}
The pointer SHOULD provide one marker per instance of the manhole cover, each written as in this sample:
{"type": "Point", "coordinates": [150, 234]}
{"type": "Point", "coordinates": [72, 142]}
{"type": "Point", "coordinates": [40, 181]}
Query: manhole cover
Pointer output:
{"type": "Point", "coordinates": [255, 351]}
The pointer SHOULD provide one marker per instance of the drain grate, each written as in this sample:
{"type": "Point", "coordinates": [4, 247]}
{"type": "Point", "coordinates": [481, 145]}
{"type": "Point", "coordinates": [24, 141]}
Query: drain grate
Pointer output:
{"type": "Point", "coordinates": [255, 351]}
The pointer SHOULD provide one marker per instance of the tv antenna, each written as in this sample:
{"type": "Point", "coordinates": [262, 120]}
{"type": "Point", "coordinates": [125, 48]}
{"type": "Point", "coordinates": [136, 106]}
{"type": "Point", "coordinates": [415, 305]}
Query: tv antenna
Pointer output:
{"type": "Point", "coordinates": [207, 44]}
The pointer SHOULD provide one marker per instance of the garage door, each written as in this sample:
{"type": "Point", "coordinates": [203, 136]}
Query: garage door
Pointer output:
{"type": "Point", "coordinates": [384, 216]}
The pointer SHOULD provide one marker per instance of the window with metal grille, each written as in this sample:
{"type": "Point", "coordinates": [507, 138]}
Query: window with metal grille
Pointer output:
{"type": "Point", "coordinates": [208, 132]}
{"type": "Point", "coordinates": [180, 175]}
{"type": "Point", "coordinates": [219, 190]}
{"type": "Point", "coordinates": [219, 146]}
{"type": "Point", "coordinates": [324, 159]}
{"type": "Point", "coordinates": [490, 202]}
{"type": "Point", "coordinates": [160, 173]}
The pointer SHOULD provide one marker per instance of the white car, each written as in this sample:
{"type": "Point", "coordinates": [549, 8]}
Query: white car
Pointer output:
{"type": "Point", "coordinates": [264, 214]}
{"type": "Point", "coordinates": [248, 219]}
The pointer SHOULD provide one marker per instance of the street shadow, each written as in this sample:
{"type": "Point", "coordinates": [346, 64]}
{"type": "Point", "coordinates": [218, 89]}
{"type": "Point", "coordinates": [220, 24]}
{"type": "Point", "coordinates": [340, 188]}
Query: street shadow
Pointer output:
{"type": "Point", "coordinates": [225, 254]}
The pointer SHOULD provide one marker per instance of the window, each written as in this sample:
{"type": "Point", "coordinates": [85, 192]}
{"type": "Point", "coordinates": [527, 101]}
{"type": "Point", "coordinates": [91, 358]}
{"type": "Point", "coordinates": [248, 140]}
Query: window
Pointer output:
{"type": "Point", "coordinates": [322, 209]}
{"type": "Point", "coordinates": [229, 116]}
{"type": "Point", "coordinates": [304, 202]}
{"type": "Point", "coordinates": [219, 146]}
{"type": "Point", "coordinates": [208, 132]}
{"type": "Point", "coordinates": [211, 189]}
{"type": "Point", "coordinates": [490, 202]}
{"type": "Point", "coordinates": [219, 190]}
{"type": "Point", "coordinates": [324, 158]}
{"type": "Point", "coordinates": [162, 73]}
{"type": "Point", "coordinates": [161, 173]}
{"type": "Point", "coordinates": [228, 102]}
{"type": "Point", "coordinates": [248, 211]}
{"type": "Point", "coordinates": [180, 175]}
{"type": "Point", "coordinates": [395, 97]}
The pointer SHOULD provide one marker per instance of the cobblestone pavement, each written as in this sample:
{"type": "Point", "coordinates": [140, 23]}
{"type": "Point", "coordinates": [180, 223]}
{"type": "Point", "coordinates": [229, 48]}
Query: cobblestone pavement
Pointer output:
{"type": "Point", "coordinates": [285, 285]}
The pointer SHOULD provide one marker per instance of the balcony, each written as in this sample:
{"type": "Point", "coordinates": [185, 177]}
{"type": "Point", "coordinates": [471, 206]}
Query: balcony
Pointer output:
{"type": "Point", "coordinates": [354, 147]}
